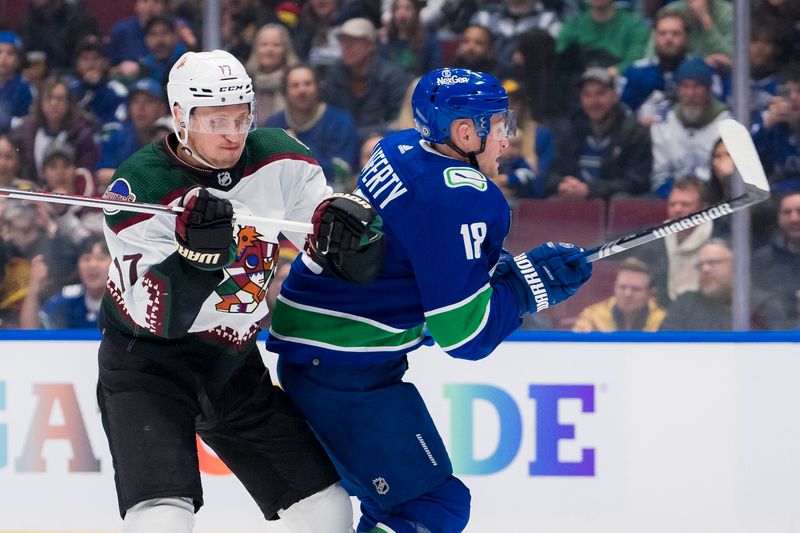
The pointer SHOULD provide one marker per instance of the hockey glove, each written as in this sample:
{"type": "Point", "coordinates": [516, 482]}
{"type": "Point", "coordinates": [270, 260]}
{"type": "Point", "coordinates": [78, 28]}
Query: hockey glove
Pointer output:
{"type": "Point", "coordinates": [347, 241]}
{"type": "Point", "coordinates": [542, 277]}
{"type": "Point", "coordinates": [204, 230]}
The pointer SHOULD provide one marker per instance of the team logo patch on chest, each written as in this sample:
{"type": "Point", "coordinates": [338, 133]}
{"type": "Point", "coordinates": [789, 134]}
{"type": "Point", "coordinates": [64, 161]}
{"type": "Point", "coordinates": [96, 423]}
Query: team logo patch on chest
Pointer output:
{"type": "Point", "coordinates": [250, 274]}
{"type": "Point", "coordinates": [464, 177]}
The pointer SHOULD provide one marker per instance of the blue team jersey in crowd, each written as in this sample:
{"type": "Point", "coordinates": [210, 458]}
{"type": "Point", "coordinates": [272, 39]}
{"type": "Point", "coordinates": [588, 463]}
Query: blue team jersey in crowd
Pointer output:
{"type": "Point", "coordinates": [444, 226]}
{"type": "Point", "coordinates": [68, 310]}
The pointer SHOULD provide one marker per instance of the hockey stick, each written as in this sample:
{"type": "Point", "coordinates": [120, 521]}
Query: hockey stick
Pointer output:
{"type": "Point", "coordinates": [152, 209]}
{"type": "Point", "coordinates": [743, 152]}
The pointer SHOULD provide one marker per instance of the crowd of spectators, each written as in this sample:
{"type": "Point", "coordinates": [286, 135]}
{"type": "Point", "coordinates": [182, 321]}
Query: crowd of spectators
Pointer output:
{"type": "Point", "coordinates": [614, 99]}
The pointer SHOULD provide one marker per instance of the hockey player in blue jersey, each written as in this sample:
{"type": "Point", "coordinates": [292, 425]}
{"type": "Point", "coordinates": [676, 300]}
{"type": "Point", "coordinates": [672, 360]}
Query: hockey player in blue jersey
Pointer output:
{"type": "Point", "coordinates": [444, 274]}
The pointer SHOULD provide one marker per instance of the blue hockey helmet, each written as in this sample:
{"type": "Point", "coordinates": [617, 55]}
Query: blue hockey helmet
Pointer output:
{"type": "Point", "coordinates": [447, 94]}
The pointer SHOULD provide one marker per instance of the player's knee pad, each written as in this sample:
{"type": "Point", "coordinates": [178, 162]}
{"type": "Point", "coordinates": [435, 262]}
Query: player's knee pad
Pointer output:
{"type": "Point", "coordinates": [327, 510]}
{"type": "Point", "coordinates": [160, 515]}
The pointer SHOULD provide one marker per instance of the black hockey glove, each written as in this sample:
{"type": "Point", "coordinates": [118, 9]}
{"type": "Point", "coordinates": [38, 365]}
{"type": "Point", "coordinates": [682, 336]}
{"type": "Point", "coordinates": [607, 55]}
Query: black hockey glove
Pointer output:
{"type": "Point", "coordinates": [347, 240]}
{"type": "Point", "coordinates": [204, 231]}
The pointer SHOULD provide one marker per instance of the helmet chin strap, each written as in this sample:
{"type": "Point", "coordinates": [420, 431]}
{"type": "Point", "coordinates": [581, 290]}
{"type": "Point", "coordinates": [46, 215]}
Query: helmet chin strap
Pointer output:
{"type": "Point", "coordinates": [471, 156]}
{"type": "Point", "coordinates": [184, 143]}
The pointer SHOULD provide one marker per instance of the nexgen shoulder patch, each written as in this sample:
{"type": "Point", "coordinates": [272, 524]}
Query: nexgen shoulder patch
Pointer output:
{"type": "Point", "coordinates": [464, 176]}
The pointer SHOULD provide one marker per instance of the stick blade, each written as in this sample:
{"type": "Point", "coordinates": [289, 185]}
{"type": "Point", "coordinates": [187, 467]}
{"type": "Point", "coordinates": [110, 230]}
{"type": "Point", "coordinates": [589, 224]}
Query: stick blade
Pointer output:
{"type": "Point", "coordinates": [743, 152]}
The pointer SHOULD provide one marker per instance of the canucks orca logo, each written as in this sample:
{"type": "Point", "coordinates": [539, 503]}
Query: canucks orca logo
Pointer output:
{"type": "Point", "coordinates": [120, 191]}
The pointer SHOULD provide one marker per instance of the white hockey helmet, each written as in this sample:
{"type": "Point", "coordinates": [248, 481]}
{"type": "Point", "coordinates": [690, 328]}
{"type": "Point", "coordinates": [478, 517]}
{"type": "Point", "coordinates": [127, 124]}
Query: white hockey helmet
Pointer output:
{"type": "Point", "coordinates": [202, 79]}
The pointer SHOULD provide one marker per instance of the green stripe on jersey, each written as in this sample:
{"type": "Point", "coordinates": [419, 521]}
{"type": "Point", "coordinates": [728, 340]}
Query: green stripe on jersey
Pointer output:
{"type": "Point", "coordinates": [456, 324]}
{"type": "Point", "coordinates": [337, 331]}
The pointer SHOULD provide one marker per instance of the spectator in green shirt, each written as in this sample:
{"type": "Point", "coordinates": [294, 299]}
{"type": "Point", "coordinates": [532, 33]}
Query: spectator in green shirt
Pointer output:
{"type": "Point", "coordinates": [606, 28]}
{"type": "Point", "coordinates": [710, 29]}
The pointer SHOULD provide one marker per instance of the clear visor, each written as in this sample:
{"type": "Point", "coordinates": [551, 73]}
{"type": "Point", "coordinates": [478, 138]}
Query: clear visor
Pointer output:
{"type": "Point", "coordinates": [222, 120]}
{"type": "Point", "coordinates": [504, 126]}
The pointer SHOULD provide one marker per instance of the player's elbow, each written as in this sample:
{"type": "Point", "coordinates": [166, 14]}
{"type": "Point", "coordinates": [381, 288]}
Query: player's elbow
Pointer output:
{"type": "Point", "coordinates": [471, 352]}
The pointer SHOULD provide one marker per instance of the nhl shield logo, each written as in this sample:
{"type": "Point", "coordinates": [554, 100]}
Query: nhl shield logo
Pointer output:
{"type": "Point", "coordinates": [381, 487]}
{"type": "Point", "coordinates": [224, 178]}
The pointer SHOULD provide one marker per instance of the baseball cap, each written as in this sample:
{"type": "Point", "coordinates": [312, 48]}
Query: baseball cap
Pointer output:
{"type": "Point", "coordinates": [9, 37]}
{"type": "Point", "coordinates": [149, 86]}
{"type": "Point", "coordinates": [597, 74]}
{"type": "Point", "coordinates": [358, 28]}
{"type": "Point", "coordinates": [694, 69]}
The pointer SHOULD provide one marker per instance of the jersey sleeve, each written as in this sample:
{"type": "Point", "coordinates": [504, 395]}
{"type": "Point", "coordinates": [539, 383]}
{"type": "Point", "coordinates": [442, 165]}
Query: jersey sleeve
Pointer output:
{"type": "Point", "coordinates": [453, 248]}
{"type": "Point", "coordinates": [304, 187]}
{"type": "Point", "coordinates": [303, 184]}
{"type": "Point", "coordinates": [152, 288]}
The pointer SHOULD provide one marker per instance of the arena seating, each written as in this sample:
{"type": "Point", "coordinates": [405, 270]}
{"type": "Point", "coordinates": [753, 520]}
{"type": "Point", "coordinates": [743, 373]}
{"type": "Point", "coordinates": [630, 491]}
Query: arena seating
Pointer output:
{"type": "Point", "coordinates": [535, 221]}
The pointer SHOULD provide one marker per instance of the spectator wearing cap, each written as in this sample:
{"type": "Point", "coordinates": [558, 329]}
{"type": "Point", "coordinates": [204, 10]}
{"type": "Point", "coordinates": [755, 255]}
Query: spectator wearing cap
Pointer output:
{"type": "Point", "coordinates": [362, 83]}
{"type": "Point", "coordinates": [776, 266]}
{"type": "Point", "coordinates": [56, 118]}
{"type": "Point", "coordinates": [475, 50]}
{"type": "Point", "coordinates": [121, 139]}
{"type": "Point", "coordinates": [106, 99]}
{"type": "Point", "coordinates": [56, 27]}
{"type": "Point", "coordinates": [15, 92]}
{"type": "Point", "coordinates": [328, 131]}
{"type": "Point", "coordinates": [406, 42]}
{"type": "Point", "coordinates": [605, 28]}
{"type": "Point", "coordinates": [602, 151]}
{"type": "Point", "coordinates": [776, 133]}
{"type": "Point", "coordinates": [510, 19]}
{"type": "Point", "coordinates": [682, 144]}
{"type": "Point", "coordinates": [164, 48]}
{"type": "Point", "coordinates": [525, 164]}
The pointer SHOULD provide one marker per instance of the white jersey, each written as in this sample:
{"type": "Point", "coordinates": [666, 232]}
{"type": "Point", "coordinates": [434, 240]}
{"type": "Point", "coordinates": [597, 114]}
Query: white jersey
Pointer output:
{"type": "Point", "coordinates": [679, 151]}
{"type": "Point", "coordinates": [152, 292]}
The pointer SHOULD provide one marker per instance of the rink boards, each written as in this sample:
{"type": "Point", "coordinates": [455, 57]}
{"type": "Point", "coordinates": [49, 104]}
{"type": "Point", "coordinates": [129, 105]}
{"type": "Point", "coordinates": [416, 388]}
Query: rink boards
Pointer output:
{"type": "Point", "coordinates": [553, 433]}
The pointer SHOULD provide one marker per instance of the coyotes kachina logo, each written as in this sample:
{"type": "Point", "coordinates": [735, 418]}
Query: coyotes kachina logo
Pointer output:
{"type": "Point", "coordinates": [250, 273]}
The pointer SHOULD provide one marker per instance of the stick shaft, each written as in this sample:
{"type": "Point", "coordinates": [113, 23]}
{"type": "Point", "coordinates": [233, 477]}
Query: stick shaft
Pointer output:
{"type": "Point", "coordinates": [152, 209]}
{"type": "Point", "coordinates": [621, 244]}
{"type": "Point", "coordinates": [745, 157]}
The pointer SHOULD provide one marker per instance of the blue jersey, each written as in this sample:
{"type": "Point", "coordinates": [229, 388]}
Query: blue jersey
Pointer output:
{"type": "Point", "coordinates": [68, 310]}
{"type": "Point", "coordinates": [444, 226]}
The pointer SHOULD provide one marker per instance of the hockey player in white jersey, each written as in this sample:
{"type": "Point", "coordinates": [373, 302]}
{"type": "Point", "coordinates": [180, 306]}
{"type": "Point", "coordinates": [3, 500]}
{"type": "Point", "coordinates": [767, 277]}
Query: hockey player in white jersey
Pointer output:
{"type": "Point", "coordinates": [182, 309]}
